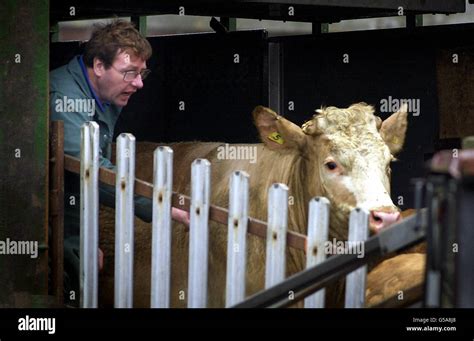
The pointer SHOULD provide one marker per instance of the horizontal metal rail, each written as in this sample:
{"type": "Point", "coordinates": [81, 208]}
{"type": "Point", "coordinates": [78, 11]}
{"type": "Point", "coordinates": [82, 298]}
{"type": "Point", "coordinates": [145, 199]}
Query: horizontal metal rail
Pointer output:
{"type": "Point", "coordinates": [400, 236]}
{"type": "Point", "coordinates": [217, 214]}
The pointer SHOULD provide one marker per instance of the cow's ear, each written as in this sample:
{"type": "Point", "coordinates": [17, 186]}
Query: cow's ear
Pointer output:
{"type": "Point", "coordinates": [394, 128]}
{"type": "Point", "coordinates": [275, 131]}
{"type": "Point", "coordinates": [378, 122]}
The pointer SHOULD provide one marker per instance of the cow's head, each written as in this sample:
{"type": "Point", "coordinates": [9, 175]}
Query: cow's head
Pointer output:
{"type": "Point", "coordinates": [347, 154]}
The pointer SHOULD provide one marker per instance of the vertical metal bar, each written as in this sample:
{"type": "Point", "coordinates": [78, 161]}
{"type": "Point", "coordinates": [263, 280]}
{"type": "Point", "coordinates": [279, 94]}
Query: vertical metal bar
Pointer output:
{"type": "Point", "coordinates": [448, 239]}
{"type": "Point", "coordinates": [236, 237]}
{"type": "Point", "coordinates": [419, 20]}
{"type": "Point", "coordinates": [356, 280]}
{"type": "Point", "coordinates": [276, 234]}
{"type": "Point", "coordinates": [89, 218]}
{"type": "Point", "coordinates": [419, 189]}
{"type": "Point", "coordinates": [433, 275]}
{"type": "Point", "coordinates": [465, 237]}
{"type": "Point", "coordinates": [319, 28]}
{"type": "Point", "coordinates": [140, 23]}
{"type": "Point", "coordinates": [54, 33]}
{"type": "Point", "coordinates": [24, 69]}
{"type": "Point", "coordinates": [199, 233]}
{"type": "Point", "coordinates": [413, 20]}
{"type": "Point", "coordinates": [124, 212]}
{"type": "Point", "coordinates": [161, 238]}
{"type": "Point", "coordinates": [318, 231]}
{"type": "Point", "coordinates": [229, 23]}
{"type": "Point", "coordinates": [57, 209]}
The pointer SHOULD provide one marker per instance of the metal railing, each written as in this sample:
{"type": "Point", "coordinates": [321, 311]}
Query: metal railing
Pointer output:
{"type": "Point", "coordinates": [237, 221]}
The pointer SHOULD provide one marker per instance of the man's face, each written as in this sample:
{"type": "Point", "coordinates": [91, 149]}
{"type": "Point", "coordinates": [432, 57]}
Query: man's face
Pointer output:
{"type": "Point", "coordinates": [111, 84]}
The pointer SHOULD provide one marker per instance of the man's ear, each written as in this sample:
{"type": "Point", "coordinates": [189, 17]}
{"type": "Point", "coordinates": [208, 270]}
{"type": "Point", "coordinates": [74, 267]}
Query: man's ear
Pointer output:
{"type": "Point", "coordinates": [394, 128]}
{"type": "Point", "coordinates": [276, 132]}
{"type": "Point", "coordinates": [98, 66]}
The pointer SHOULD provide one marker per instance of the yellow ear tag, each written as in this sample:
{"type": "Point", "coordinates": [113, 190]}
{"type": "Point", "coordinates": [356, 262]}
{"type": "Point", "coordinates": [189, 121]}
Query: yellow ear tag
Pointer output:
{"type": "Point", "coordinates": [276, 137]}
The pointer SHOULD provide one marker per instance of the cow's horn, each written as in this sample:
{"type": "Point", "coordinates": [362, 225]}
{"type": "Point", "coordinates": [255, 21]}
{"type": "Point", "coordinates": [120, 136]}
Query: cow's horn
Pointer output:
{"type": "Point", "coordinates": [318, 111]}
{"type": "Point", "coordinates": [310, 128]}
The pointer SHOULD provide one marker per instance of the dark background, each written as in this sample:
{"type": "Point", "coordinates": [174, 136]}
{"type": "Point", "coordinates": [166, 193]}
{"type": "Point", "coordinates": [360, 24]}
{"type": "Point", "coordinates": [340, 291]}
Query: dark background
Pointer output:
{"type": "Point", "coordinates": [219, 95]}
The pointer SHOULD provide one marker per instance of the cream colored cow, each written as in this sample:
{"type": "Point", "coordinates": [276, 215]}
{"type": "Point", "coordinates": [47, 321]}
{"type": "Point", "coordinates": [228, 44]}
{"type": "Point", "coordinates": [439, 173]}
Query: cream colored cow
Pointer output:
{"type": "Point", "coordinates": [341, 154]}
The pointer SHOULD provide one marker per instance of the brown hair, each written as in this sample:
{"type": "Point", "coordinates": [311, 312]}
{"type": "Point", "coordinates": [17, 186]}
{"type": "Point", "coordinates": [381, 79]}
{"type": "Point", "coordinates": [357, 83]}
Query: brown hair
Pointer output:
{"type": "Point", "coordinates": [113, 38]}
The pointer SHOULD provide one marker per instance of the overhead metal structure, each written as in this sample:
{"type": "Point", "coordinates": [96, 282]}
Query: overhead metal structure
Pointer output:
{"type": "Point", "coordinates": [290, 10]}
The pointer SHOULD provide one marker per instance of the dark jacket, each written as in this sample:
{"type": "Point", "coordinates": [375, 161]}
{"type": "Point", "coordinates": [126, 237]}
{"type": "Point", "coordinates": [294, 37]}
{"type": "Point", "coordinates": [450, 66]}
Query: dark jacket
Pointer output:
{"type": "Point", "coordinates": [68, 85]}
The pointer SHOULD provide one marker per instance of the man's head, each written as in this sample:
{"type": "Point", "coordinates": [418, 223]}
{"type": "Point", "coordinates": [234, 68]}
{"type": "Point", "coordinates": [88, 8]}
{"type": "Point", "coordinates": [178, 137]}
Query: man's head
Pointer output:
{"type": "Point", "coordinates": [116, 58]}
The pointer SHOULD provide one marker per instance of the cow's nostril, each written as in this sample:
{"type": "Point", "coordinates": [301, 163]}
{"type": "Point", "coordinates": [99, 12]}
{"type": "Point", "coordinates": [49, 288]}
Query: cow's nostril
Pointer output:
{"type": "Point", "coordinates": [381, 219]}
{"type": "Point", "coordinates": [375, 218]}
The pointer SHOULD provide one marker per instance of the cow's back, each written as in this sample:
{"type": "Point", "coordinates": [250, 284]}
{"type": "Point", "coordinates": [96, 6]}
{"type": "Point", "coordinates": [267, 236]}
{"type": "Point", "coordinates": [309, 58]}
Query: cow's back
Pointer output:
{"type": "Point", "coordinates": [184, 153]}
{"type": "Point", "coordinates": [221, 169]}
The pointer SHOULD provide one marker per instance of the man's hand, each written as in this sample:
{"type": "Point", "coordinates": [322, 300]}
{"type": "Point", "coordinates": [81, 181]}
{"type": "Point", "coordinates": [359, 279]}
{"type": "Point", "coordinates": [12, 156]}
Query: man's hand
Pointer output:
{"type": "Point", "coordinates": [180, 215]}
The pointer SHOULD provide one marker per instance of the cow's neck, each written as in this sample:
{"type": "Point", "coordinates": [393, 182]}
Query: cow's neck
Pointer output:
{"type": "Point", "coordinates": [291, 170]}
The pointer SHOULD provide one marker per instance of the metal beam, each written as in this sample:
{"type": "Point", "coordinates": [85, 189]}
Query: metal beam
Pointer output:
{"type": "Point", "coordinates": [413, 21]}
{"type": "Point", "coordinates": [302, 10]}
{"type": "Point", "coordinates": [319, 28]}
{"type": "Point", "coordinates": [465, 237]}
{"type": "Point", "coordinates": [140, 23]}
{"type": "Point", "coordinates": [56, 210]}
{"type": "Point", "coordinates": [24, 67]}
{"type": "Point", "coordinates": [229, 23]}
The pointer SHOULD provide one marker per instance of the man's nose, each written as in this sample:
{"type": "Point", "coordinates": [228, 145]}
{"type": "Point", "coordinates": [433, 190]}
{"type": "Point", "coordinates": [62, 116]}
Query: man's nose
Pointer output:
{"type": "Point", "coordinates": [138, 82]}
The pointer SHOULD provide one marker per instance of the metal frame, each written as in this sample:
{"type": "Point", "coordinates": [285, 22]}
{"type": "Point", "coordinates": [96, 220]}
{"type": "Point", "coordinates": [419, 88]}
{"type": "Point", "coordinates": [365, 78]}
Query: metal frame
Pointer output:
{"type": "Point", "coordinates": [24, 153]}
{"type": "Point", "coordinates": [56, 210]}
{"type": "Point", "coordinates": [450, 198]}
{"type": "Point", "coordinates": [302, 10]}
{"type": "Point", "coordinates": [464, 277]}
{"type": "Point", "coordinates": [217, 214]}
{"type": "Point", "coordinates": [402, 235]}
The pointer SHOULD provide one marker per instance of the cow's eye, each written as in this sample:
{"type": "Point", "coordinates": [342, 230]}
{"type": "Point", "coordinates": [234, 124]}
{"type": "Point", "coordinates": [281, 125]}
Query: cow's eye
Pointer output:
{"type": "Point", "coordinates": [331, 165]}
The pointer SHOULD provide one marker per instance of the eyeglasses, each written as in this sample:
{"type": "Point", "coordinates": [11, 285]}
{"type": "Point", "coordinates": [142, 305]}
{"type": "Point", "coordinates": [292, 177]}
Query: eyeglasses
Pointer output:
{"type": "Point", "coordinates": [129, 76]}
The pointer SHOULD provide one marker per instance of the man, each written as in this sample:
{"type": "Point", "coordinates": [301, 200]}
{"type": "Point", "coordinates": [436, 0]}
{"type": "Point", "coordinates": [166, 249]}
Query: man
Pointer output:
{"type": "Point", "coordinates": [94, 87]}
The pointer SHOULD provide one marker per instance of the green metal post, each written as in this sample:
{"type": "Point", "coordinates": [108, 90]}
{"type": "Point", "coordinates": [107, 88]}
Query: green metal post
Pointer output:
{"type": "Point", "coordinates": [419, 20]}
{"type": "Point", "coordinates": [320, 28]}
{"type": "Point", "coordinates": [24, 64]}
{"type": "Point", "coordinates": [141, 24]}
{"type": "Point", "coordinates": [54, 33]}
{"type": "Point", "coordinates": [229, 23]}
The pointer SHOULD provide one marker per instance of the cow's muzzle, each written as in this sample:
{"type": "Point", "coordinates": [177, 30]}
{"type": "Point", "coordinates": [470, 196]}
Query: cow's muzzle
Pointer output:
{"type": "Point", "coordinates": [380, 219]}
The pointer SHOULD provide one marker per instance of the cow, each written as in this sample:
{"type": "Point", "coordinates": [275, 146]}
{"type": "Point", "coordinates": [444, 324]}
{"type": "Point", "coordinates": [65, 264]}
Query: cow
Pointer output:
{"type": "Point", "coordinates": [343, 154]}
{"type": "Point", "coordinates": [403, 273]}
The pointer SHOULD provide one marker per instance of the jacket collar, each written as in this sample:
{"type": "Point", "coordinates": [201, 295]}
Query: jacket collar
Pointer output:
{"type": "Point", "coordinates": [79, 71]}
